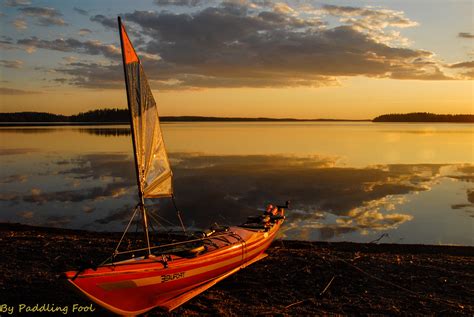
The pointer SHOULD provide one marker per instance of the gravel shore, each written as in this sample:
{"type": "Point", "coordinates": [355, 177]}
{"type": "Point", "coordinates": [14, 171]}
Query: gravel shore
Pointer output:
{"type": "Point", "coordinates": [297, 278]}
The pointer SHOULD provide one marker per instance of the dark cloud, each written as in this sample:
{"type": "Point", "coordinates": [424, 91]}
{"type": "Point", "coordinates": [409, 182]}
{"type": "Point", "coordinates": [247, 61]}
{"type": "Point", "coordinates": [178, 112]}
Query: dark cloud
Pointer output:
{"type": "Point", "coordinates": [226, 189]}
{"type": "Point", "coordinates": [469, 64]}
{"type": "Point", "coordinates": [120, 214]}
{"type": "Point", "coordinates": [232, 187]}
{"type": "Point", "coordinates": [96, 166]}
{"type": "Point", "coordinates": [6, 39]}
{"type": "Point", "coordinates": [80, 11]}
{"type": "Point", "coordinates": [466, 207]}
{"type": "Point", "coordinates": [14, 179]}
{"type": "Point", "coordinates": [11, 64]}
{"type": "Point", "coordinates": [16, 92]}
{"type": "Point", "coordinates": [461, 206]}
{"type": "Point", "coordinates": [73, 45]}
{"type": "Point", "coordinates": [92, 75]}
{"type": "Point", "coordinates": [107, 22]}
{"type": "Point", "coordinates": [466, 35]}
{"type": "Point", "coordinates": [233, 46]}
{"type": "Point", "coordinates": [470, 195]}
{"type": "Point", "coordinates": [83, 32]}
{"type": "Point", "coordinates": [111, 190]}
{"type": "Point", "coordinates": [16, 3]}
{"type": "Point", "coordinates": [58, 221]}
{"type": "Point", "coordinates": [45, 16]}
{"type": "Point", "coordinates": [190, 3]}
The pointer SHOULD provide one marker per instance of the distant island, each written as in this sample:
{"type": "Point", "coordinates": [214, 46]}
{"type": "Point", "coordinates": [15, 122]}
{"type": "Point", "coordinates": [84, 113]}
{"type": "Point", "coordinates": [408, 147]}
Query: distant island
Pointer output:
{"type": "Point", "coordinates": [425, 117]}
{"type": "Point", "coordinates": [118, 116]}
{"type": "Point", "coordinates": [114, 116]}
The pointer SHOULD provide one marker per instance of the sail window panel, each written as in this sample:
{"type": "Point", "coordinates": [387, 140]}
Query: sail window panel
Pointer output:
{"type": "Point", "coordinates": [152, 160]}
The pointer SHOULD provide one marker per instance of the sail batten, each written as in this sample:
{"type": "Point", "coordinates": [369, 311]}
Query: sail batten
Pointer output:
{"type": "Point", "coordinates": [153, 168]}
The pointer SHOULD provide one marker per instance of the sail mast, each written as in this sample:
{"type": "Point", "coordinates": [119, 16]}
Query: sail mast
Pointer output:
{"type": "Point", "coordinates": [137, 171]}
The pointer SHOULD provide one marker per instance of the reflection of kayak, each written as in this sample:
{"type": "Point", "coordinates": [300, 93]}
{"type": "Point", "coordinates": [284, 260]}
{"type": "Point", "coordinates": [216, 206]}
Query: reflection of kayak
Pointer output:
{"type": "Point", "coordinates": [167, 281]}
{"type": "Point", "coordinates": [170, 274]}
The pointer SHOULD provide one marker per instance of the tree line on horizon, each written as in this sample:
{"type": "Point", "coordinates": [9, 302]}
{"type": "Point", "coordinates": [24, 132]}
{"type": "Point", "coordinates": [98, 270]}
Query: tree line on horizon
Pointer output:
{"type": "Point", "coordinates": [99, 115]}
{"type": "Point", "coordinates": [122, 115]}
{"type": "Point", "coordinates": [424, 117]}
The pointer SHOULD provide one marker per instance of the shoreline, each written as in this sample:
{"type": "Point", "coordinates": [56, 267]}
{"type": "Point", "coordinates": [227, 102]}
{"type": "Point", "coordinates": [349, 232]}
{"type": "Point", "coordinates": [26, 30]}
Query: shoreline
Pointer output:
{"type": "Point", "coordinates": [164, 121]}
{"type": "Point", "coordinates": [40, 124]}
{"type": "Point", "coordinates": [294, 279]}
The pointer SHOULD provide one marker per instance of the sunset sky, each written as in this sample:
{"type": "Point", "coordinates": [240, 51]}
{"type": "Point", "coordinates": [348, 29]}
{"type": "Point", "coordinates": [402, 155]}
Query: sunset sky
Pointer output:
{"type": "Point", "coordinates": [300, 59]}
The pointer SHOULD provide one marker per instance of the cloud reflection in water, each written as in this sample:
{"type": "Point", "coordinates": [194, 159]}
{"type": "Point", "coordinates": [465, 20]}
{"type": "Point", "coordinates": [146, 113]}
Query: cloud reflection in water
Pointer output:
{"type": "Point", "coordinates": [328, 201]}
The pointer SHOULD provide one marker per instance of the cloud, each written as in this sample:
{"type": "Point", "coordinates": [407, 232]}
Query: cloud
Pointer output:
{"type": "Point", "coordinates": [70, 59]}
{"type": "Point", "coordinates": [469, 64]}
{"type": "Point", "coordinates": [466, 35]}
{"type": "Point", "coordinates": [83, 32]}
{"type": "Point", "coordinates": [16, 92]}
{"type": "Point", "coordinates": [93, 75]}
{"type": "Point", "coordinates": [116, 215]}
{"type": "Point", "coordinates": [325, 197]}
{"type": "Point", "coordinates": [45, 16]}
{"type": "Point", "coordinates": [236, 186]}
{"type": "Point", "coordinates": [378, 23]}
{"type": "Point", "coordinates": [16, 3]}
{"type": "Point", "coordinates": [191, 3]}
{"type": "Point", "coordinates": [20, 24]}
{"type": "Point", "coordinates": [16, 64]}
{"type": "Point", "coordinates": [111, 190]}
{"type": "Point", "coordinates": [467, 69]}
{"type": "Point", "coordinates": [253, 44]}
{"type": "Point", "coordinates": [107, 22]}
{"type": "Point", "coordinates": [470, 195]}
{"type": "Point", "coordinates": [16, 178]}
{"type": "Point", "coordinates": [233, 46]}
{"type": "Point", "coordinates": [58, 221]}
{"type": "Point", "coordinates": [80, 11]}
{"type": "Point", "coordinates": [26, 215]}
{"type": "Point", "coordinates": [370, 18]}
{"type": "Point", "coordinates": [92, 47]}
{"type": "Point", "coordinates": [6, 39]}
{"type": "Point", "coordinates": [467, 207]}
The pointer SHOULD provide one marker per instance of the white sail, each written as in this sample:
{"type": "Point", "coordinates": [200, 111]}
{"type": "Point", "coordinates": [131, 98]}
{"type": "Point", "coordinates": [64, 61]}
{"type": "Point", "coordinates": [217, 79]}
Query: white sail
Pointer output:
{"type": "Point", "coordinates": [153, 168]}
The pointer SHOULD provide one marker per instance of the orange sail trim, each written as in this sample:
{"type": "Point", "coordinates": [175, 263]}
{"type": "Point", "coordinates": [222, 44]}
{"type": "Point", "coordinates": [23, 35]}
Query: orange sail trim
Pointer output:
{"type": "Point", "coordinates": [128, 50]}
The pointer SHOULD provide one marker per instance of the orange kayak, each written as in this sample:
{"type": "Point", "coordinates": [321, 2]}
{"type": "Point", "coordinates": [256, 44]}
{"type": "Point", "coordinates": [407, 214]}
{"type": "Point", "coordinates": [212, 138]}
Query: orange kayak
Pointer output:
{"type": "Point", "coordinates": [166, 281]}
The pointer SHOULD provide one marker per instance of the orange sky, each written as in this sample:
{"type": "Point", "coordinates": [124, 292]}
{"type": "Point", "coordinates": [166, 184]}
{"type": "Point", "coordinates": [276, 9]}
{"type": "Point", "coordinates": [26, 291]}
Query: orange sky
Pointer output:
{"type": "Point", "coordinates": [293, 59]}
{"type": "Point", "coordinates": [355, 98]}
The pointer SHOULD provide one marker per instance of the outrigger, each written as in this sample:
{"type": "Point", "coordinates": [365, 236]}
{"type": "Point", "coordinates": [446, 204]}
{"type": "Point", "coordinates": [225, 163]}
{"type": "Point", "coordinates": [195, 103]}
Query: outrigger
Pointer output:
{"type": "Point", "coordinates": [167, 275]}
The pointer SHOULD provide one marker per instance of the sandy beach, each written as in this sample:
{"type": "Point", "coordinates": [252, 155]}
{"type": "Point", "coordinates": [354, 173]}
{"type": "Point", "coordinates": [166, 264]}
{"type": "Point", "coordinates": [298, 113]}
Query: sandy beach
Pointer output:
{"type": "Point", "coordinates": [297, 278]}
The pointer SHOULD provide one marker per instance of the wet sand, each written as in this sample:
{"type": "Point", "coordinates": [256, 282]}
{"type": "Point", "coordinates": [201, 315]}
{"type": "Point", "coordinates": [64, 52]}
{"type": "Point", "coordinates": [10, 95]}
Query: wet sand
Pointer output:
{"type": "Point", "coordinates": [297, 278]}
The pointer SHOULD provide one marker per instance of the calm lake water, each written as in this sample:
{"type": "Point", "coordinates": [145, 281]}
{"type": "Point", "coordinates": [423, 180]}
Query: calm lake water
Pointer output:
{"type": "Point", "coordinates": [411, 183]}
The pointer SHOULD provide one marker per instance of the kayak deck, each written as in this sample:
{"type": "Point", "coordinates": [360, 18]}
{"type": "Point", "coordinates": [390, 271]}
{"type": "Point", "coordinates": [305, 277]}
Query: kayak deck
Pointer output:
{"type": "Point", "coordinates": [137, 285]}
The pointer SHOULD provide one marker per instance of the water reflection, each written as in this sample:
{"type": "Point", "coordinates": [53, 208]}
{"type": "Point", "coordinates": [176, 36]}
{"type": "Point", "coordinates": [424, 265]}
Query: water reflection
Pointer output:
{"type": "Point", "coordinates": [354, 189]}
{"type": "Point", "coordinates": [117, 131]}
{"type": "Point", "coordinates": [328, 201]}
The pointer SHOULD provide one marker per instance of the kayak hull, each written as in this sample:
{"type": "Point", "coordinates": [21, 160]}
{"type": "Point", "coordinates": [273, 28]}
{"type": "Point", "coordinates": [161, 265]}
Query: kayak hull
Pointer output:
{"type": "Point", "coordinates": [135, 286]}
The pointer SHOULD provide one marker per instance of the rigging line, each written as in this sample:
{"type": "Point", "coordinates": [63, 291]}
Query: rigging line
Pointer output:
{"type": "Point", "coordinates": [126, 229]}
{"type": "Point", "coordinates": [164, 219]}
{"type": "Point", "coordinates": [152, 217]}
{"type": "Point", "coordinates": [174, 243]}
{"type": "Point", "coordinates": [179, 214]}
{"type": "Point", "coordinates": [152, 227]}
{"type": "Point", "coordinates": [137, 223]}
